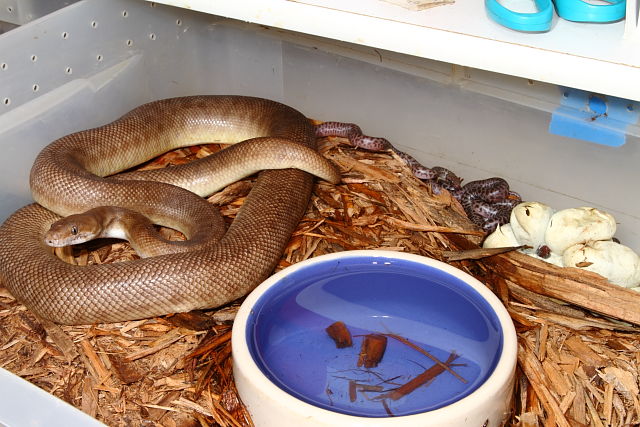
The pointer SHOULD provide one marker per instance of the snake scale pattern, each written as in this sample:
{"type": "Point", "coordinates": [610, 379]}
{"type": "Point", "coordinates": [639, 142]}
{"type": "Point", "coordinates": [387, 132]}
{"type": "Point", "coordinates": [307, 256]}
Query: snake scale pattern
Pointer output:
{"type": "Point", "coordinates": [67, 178]}
{"type": "Point", "coordinates": [215, 265]}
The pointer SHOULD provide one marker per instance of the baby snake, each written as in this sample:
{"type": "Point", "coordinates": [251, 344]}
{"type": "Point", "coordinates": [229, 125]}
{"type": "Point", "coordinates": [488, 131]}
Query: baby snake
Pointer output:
{"type": "Point", "coordinates": [487, 202]}
{"type": "Point", "coordinates": [68, 178]}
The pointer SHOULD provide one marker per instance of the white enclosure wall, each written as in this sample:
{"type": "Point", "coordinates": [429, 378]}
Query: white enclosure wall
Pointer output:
{"type": "Point", "coordinates": [89, 63]}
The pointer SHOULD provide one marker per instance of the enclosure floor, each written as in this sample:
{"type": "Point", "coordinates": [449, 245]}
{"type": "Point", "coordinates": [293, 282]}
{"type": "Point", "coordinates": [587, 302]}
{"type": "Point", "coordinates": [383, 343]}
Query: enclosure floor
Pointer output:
{"type": "Point", "coordinates": [575, 367]}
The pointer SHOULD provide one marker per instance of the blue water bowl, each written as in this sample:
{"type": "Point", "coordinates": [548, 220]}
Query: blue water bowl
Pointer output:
{"type": "Point", "coordinates": [283, 355]}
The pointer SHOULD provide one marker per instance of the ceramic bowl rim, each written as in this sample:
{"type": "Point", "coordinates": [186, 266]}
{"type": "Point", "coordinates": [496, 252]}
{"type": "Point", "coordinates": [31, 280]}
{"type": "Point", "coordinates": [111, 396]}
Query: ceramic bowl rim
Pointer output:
{"type": "Point", "coordinates": [502, 373]}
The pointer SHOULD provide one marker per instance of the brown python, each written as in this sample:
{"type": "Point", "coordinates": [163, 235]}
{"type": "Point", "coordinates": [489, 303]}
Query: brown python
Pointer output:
{"type": "Point", "coordinates": [68, 177]}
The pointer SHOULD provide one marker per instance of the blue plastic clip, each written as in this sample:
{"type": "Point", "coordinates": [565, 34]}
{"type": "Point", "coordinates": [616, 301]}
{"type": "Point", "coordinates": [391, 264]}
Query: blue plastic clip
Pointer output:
{"type": "Point", "coordinates": [538, 21]}
{"type": "Point", "coordinates": [593, 117]}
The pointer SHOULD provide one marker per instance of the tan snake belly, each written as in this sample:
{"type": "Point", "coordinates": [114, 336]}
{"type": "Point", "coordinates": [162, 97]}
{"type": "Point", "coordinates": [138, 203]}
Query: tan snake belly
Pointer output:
{"type": "Point", "coordinates": [67, 178]}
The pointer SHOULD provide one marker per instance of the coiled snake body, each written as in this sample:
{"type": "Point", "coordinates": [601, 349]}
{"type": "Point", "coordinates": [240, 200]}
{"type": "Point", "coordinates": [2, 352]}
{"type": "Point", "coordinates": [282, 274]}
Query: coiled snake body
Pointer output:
{"type": "Point", "coordinates": [67, 179]}
{"type": "Point", "coordinates": [213, 266]}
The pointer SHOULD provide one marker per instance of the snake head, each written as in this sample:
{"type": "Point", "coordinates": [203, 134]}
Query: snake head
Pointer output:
{"type": "Point", "coordinates": [73, 230]}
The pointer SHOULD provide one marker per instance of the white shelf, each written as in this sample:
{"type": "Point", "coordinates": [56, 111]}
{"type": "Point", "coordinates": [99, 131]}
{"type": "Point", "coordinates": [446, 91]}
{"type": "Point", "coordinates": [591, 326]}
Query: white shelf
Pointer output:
{"type": "Point", "coordinates": [592, 57]}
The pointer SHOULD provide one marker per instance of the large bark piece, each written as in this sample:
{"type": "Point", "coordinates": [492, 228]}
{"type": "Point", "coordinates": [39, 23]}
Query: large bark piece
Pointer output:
{"type": "Point", "coordinates": [580, 287]}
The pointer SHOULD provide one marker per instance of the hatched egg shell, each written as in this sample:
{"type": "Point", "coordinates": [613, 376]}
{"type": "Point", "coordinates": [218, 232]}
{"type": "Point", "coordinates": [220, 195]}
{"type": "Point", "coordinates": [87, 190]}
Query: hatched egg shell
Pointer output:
{"type": "Point", "coordinates": [618, 263]}
{"type": "Point", "coordinates": [502, 237]}
{"type": "Point", "coordinates": [570, 227]}
{"type": "Point", "coordinates": [553, 258]}
{"type": "Point", "coordinates": [529, 222]}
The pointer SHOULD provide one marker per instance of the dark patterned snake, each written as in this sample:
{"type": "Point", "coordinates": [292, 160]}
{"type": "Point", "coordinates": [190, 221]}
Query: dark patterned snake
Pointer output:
{"type": "Point", "coordinates": [68, 178]}
{"type": "Point", "coordinates": [487, 203]}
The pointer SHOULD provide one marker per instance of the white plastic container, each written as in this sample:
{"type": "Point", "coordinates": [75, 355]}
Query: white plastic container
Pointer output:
{"type": "Point", "coordinates": [24, 404]}
{"type": "Point", "coordinates": [89, 63]}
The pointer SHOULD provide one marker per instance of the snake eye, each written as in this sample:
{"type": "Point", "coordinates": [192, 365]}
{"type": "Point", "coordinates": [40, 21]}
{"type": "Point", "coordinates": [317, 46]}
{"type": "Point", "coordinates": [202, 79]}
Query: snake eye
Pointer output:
{"type": "Point", "coordinates": [74, 230]}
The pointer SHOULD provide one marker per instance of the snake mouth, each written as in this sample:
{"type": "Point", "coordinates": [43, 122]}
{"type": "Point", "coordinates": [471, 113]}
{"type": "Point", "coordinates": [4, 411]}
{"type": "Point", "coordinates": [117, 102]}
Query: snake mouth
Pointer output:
{"type": "Point", "coordinates": [59, 242]}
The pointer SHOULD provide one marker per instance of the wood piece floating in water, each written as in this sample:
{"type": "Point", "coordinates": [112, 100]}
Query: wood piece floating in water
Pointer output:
{"type": "Point", "coordinates": [339, 332]}
{"type": "Point", "coordinates": [353, 391]}
{"type": "Point", "coordinates": [372, 350]}
{"type": "Point", "coordinates": [443, 365]}
{"type": "Point", "coordinates": [385, 405]}
{"type": "Point", "coordinates": [420, 380]}
{"type": "Point", "coordinates": [355, 387]}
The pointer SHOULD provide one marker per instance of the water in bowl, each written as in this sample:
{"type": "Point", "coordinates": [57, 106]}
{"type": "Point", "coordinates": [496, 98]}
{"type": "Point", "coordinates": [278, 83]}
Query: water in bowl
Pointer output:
{"type": "Point", "coordinates": [433, 309]}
